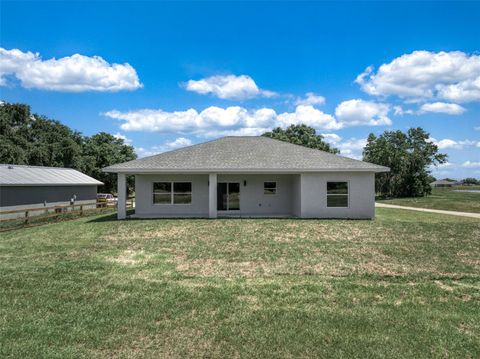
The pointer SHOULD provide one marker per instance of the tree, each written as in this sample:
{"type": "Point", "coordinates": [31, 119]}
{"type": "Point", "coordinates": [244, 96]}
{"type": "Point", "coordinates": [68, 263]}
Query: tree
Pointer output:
{"type": "Point", "coordinates": [301, 135]}
{"type": "Point", "coordinates": [15, 123]}
{"type": "Point", "coordinates": [30, 139]}
{"type": "Point", "coordinates": [470, 181]}
{"type": "Point", "coordinates": [102, 150]}
{"type": "Point", "coordinates": [409, 156]}
{"type": "Point", "coordinates": [36, 140]}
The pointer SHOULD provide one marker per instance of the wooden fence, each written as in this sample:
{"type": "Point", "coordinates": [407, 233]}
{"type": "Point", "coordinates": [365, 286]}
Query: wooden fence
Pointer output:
{"type": "Point", "coordinates": [27, 214]}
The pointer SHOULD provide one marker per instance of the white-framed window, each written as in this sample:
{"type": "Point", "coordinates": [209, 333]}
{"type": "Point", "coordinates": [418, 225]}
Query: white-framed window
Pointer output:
{"type": "Point", "coordinates": [337, 194]}
{"type": "Point", "coordinates": [172, 192]}
{"type": "Point", "coordinates": [269, 187]}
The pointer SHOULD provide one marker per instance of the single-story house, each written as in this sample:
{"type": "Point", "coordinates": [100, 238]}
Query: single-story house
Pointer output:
{"type": "Point", "coordinates": [23, 187]}
{"type": "Point", "coordinates": [443, 183]}
{"type": "Point", "coordinates": [249, 176]}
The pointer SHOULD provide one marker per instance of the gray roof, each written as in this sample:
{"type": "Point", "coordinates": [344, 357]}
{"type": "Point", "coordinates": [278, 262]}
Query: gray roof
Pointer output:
{"type": "Point", "coordinates": [244, 154]}
{"type": "Point", "coordinates": [18, 175]}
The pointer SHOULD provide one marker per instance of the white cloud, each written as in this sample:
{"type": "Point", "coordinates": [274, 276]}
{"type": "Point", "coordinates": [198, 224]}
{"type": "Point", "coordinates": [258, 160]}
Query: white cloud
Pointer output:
{"type": "Point", "coordinates": [352, 147]}
{"type": "Point", "coordinates": [331, 137]}
{"type": "Point", "coordinates": [309, 116]}
{"type": "Point", "coordinates": [457, 145]}
{"type": "Point", "coordinates": [399, 111]}
{"type": "Point", "coordinates": [442, 107]}
{"type": "Point", "coordinates": [445, 165]}
{"type": "Point", "coordinates": [230, 87]}
{"type": "Point", "coordinates": [76, 73]}
{"type": "Point", "coordinates": [167, 146]}
{"type": "Point", "coordinates": [235, 120]}
{"type": "Point", "coordinates": [213, 117]}
{"type": "Point", "coordinates": [310, 99]}
{"type": "Point", "coordinates": [469, 164]}
{"type": "Point", "coordinates": [359, 112]}
{"type": "Point", "coordinates": [453, 76]}
{"type": "Point", "coordinates": [119, 136]}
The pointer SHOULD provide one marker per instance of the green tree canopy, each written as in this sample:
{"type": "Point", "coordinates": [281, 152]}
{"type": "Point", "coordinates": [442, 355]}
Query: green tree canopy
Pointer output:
{"type": "Point", "coordinates": [102, 150]}
{"type": "Point", "coordinates": [409, 156]}
{"type": "Point", "coordinates": [28, 139]}
{"type": "Point", "coordinates": [301, 135]}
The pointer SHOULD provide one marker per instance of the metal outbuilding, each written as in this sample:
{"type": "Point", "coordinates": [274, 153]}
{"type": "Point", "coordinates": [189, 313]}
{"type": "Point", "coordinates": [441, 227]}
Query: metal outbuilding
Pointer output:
{"type": "Point", "coordinates": [34, 186]}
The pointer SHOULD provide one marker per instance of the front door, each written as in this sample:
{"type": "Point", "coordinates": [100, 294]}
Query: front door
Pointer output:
{"type": "Point", "coordinates": [228, 196]}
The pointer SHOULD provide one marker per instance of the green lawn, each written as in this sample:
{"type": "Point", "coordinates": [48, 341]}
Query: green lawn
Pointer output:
{"type": "Point", "coordinates": [404, 285]}
{"type": "Point", "coordinates": [444, 198]}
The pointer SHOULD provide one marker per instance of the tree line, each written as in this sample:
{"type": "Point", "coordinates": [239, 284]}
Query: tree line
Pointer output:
{"type": "Point", "coordinates": [35, 140]}
{"type": "Point", "coordinates": [31, 139]}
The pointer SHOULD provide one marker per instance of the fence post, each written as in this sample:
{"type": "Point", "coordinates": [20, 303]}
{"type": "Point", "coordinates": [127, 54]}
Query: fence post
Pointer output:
{"type": "Point", "coordinates": [81, 209]}
{"type": "Point", "coordinates": [26, 217]}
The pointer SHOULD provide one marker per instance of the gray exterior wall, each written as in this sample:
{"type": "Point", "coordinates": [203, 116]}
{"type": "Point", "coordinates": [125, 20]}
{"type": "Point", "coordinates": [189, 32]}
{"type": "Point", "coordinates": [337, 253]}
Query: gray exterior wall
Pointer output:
{"type": "Point", "coordinates": [252, 199]}
{"type": "Point", "coordinates": [11, 196]}
{"type": "Point", "coordinates": [361, 195]}
{"type": "Point", "coordinates": [144, 205]}
{"type": "Point", "coordinates": [298, 195]}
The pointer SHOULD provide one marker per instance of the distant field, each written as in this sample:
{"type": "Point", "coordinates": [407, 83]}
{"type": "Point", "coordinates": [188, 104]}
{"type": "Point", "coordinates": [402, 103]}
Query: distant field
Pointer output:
{"type": "Point", "coordinates": [403, 285]}
{"type": "Point", "coordinates": [444, 198]}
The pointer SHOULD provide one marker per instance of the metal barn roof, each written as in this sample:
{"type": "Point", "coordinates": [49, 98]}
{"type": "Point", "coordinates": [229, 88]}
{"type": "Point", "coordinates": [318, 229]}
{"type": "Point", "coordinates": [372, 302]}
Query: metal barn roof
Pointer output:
{"type": "Point", "coordinates": [19, 175]}
{"type": "Point", "coordinates": [245, 154]}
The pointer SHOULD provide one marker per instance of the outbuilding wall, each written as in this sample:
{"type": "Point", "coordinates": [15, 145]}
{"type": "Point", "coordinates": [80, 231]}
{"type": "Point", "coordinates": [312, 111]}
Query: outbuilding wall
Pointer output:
{"type": "Point", "coordinates": [21, 196]}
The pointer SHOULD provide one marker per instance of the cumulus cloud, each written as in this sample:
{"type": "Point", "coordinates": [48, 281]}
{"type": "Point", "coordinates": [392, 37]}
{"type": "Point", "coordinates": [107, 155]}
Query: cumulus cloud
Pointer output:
{"type": "Point", "coordinates": [119, 136]}
{"type": "Point", "coordinates": [453, 76]}
{"type": "Point", "coordinates": [454, 144]}
{"type": "Point", "coordinates": [309, 116]}
{"type": "Point", "coordinates": [442, 107]}
{"type": "Point", "coordinates": [310, 99]}
{"type": "Point", "coordinates": [471, 164]}
{"type": "Point", "coordinates": [331, 137]}
{"type": "Point", "coordinates": [360, 112]}
{"type": "Point", "coordinates": [230, 87]}
{"type": "Point", "coordinates": [167, 146]}
{"type": "Point", "coordinates": [235, 120]}
{"type": "Point", "coordinates": [76, 73]}
{"type": "Point", "coordinates": [352, 147]}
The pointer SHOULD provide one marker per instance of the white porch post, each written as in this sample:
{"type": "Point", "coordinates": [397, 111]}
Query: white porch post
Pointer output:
{"type": "Point", "coordinates": [212, 195]}
{"type": "Point", "coordinates": [122, 196]}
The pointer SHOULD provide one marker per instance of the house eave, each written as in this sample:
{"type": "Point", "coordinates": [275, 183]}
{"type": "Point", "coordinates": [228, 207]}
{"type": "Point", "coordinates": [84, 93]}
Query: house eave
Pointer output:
{"type": "Point", "coordinates": [245, 171]}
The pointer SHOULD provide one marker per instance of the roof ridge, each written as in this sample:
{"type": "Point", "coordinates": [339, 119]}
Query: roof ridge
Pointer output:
{"type": "Point", "coordinates": [42, 167]}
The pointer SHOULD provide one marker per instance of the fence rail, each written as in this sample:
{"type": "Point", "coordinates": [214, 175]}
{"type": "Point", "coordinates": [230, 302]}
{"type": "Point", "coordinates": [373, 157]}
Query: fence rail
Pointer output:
{"type": "Point", "coordinates": [58, 210]}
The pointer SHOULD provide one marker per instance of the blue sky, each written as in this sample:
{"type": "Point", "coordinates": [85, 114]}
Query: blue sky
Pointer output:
{"type": "Point", "coordinates": [165, 75]}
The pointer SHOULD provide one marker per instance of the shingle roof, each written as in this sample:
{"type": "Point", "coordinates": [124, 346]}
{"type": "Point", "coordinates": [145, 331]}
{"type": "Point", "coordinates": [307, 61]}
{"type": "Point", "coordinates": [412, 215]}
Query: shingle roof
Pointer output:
{"type": "Point", "coordinates": [17, 175]}
{"type": "Point", "coordinates": [247, 153]}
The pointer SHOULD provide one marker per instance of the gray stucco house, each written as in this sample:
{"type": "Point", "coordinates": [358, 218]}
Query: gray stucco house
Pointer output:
{"type": "Point", "coordinates": [35, 187]}
{"type": "Point", "coordinates": [249, 176]}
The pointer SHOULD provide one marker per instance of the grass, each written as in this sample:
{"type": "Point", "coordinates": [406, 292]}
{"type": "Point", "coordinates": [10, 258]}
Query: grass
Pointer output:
{"type": "Point", "coordinates": [404, 285]}
{"type": "Point", "coordinates": [443, 198]}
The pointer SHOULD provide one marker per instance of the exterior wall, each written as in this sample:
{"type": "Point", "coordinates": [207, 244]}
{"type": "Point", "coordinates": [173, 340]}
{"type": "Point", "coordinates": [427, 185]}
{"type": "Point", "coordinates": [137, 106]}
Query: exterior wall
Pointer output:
{"type": "Point", "coordinates": [144, 206]}
{"type": "Point", "coordinates": [297, 195]}
{"type": "Point", "coordinates": [37, 195]}
{"type": "Point", "coordinates": [254, 202]}
{"type": "Point", "coordinates": [300, 195]}
{"type": "Point", "coordinates": [361, 195]}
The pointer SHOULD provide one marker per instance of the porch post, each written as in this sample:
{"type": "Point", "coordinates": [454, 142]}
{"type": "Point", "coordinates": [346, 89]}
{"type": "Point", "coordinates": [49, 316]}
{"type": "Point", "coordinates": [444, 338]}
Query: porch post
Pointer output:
{"type": "Point", "coordinates": [121, 194]}
{"type": "Point", "coordinates": [212, 195]}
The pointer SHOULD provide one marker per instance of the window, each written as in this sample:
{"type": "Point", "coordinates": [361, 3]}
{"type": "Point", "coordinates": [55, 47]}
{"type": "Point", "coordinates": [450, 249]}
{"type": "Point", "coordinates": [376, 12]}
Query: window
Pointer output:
{"type": "Point", "coordinates": [182, 192]}
{"type": "Point", "coordinates": [337, 194]}
{"type": "Point", "coordinates": [269, 187]}
{"type": "Point", "coordinates": [172, 192]}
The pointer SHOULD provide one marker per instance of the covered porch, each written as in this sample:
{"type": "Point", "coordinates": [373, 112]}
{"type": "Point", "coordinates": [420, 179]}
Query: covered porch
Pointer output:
{"type": "Point", "coordinates": [212, 195]}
